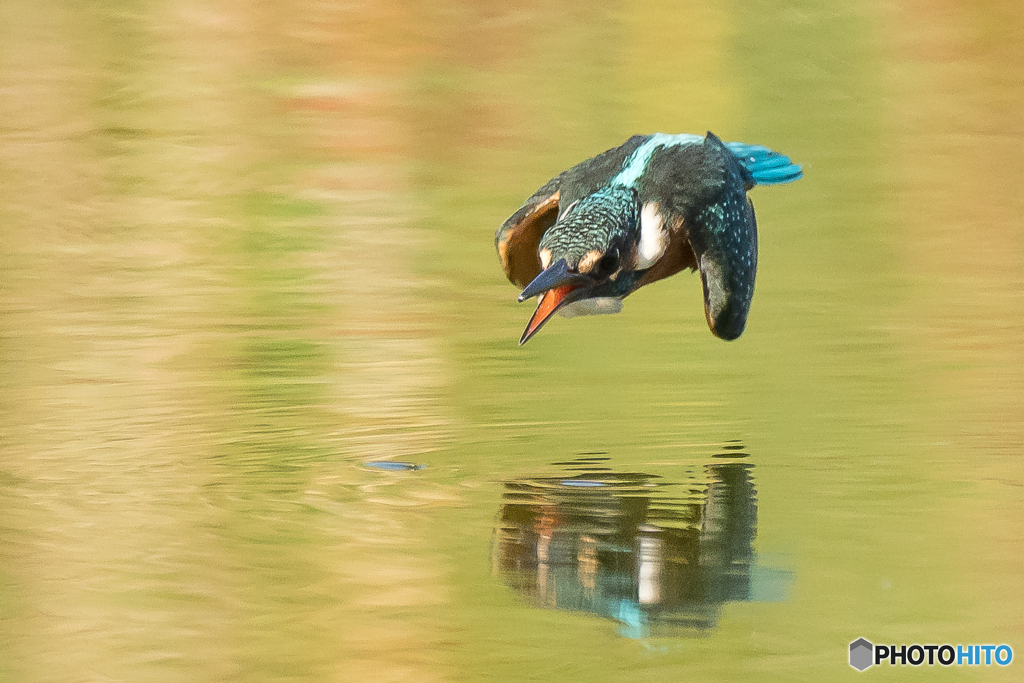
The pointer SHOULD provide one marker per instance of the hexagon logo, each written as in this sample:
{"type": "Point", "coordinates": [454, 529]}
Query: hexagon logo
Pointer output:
{"type": "Point", "coordinates": [861, 654]}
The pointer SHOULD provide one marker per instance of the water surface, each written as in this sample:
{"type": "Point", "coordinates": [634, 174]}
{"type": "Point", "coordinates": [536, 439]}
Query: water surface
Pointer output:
{"type": "Point", "coordinates": [247, 257]}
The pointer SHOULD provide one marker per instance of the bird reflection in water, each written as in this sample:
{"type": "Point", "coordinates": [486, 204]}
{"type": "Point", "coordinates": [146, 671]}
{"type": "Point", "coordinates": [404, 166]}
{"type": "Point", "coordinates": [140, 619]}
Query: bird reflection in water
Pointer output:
{"type": "Point", "coordinates": [658, 556]}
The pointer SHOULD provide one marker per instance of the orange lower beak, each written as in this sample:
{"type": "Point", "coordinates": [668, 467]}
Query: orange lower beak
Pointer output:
{"type": "Point", "coordinates": [550, 302]}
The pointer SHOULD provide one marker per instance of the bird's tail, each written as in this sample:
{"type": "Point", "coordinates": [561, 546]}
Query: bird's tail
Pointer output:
{"type": "Point", "coordinates": [765, 166]}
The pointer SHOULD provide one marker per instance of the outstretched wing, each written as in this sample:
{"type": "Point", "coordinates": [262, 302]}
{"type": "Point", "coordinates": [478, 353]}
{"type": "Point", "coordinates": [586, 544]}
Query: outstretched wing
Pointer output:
{"type": "Point", "coordinates": [698, 194]}
{"type": "Point", "coordinates": [518, 238]}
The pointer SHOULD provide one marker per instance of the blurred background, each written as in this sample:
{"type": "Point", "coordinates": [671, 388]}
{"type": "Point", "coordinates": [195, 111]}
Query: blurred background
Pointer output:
{"type": "Point", "coordinates": [247, 258]}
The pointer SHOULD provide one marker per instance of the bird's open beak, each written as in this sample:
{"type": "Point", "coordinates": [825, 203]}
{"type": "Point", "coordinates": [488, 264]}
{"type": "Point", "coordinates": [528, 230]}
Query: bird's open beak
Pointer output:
{"type": "Point", "coordinates": [557, 286]}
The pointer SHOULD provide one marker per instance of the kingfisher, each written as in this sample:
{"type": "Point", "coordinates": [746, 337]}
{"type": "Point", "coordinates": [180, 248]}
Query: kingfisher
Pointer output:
{"type": "Point", "coordinates": [638, 213]}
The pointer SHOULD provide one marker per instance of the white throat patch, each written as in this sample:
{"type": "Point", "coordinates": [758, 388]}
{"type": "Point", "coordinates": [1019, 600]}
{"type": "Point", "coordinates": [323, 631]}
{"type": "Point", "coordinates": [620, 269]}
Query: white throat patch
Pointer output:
{"type": "Point", "coordinates": [653, 237]}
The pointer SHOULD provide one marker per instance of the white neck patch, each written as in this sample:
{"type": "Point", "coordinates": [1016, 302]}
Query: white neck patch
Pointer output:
{"type": "Point", "coordinates": [653, 236]}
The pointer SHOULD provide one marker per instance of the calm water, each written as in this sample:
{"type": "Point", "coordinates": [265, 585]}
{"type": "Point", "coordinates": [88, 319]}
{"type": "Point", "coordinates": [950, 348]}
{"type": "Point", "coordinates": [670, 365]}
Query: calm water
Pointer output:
{"type": "Point", "coordinates": [247, 259]}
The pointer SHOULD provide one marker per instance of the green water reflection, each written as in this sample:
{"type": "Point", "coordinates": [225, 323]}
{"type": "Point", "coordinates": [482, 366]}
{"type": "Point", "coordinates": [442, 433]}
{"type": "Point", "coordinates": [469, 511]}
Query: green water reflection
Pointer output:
{"type": "Point", "coordinates": [248, 249]}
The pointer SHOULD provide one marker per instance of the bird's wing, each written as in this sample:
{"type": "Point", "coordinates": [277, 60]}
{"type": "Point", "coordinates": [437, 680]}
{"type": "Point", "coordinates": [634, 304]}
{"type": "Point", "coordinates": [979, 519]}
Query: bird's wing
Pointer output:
{"type": "Point", "coordinates": [699, 193]}
{"type": "Point", "coordinates": [518, 238]}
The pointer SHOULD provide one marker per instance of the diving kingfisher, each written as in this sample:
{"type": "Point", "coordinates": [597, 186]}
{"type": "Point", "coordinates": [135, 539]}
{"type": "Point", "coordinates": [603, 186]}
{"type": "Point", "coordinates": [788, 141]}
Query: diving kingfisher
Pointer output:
{"type": "Point", "coordinates": [640, 212]}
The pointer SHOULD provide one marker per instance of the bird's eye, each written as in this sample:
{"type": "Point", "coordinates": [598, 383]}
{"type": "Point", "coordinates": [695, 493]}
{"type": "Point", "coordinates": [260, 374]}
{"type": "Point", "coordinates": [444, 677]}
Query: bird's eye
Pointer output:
{"type": "Point", "coordinates": [609, 263]}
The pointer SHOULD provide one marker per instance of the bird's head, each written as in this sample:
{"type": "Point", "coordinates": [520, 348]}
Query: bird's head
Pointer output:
{"type": "Point", "coordinates": [589, 257]}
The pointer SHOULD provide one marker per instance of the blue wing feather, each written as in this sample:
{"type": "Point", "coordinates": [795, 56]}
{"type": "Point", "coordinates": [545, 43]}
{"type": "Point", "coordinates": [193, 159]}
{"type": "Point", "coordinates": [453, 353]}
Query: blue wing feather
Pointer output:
{"type": "Point", "coordinates": [766, 167]}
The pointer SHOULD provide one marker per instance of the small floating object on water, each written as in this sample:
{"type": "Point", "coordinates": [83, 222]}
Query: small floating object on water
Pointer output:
{"type": "Point", "coordinates": [640, 212]}
{"type": "Point", "coordinates": [394, 465]}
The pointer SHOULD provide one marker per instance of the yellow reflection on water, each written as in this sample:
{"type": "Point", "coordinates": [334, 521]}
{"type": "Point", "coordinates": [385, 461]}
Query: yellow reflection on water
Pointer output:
{"type": "Point", "coordinates": [958, 87]}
